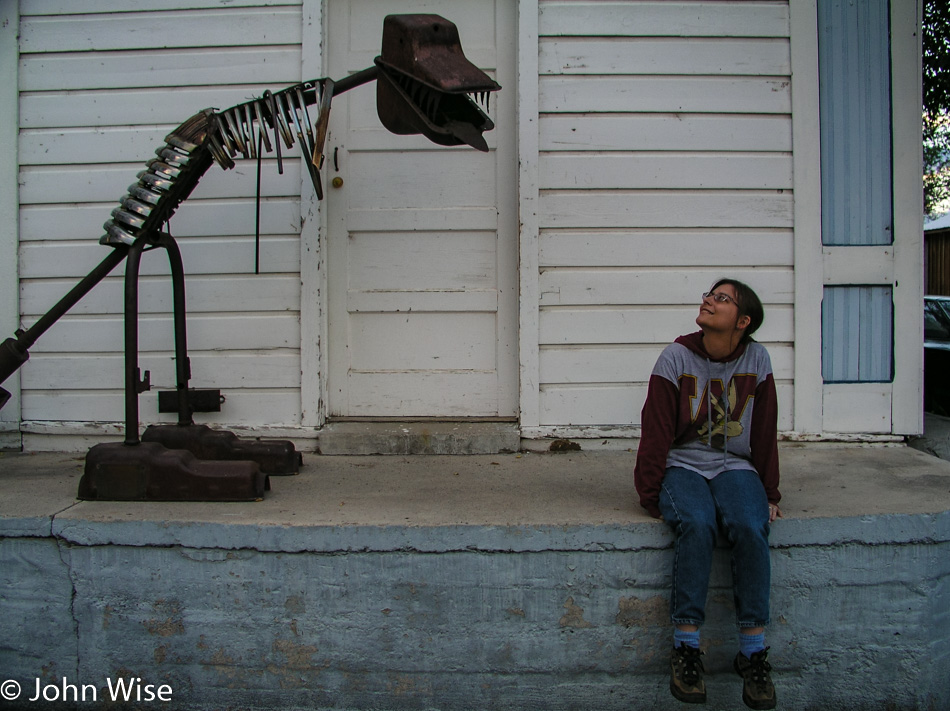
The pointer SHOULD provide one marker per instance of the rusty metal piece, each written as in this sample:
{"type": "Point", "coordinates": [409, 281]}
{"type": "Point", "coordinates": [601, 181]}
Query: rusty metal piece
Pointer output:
{"type": "Point", "coordinates": [292, 110]}
{"type": "Point", "coordinates": [249, 139]}
{"type": "Point", "coordinates": [311, 146]}
{"type": "Point", "coordinates": [428, 49]}
{"type": "Point", "coordinates": [149, 471]}
{"type": "Point", "coordinates": [190, 135]}
{"type": "Point", "coordinates": [223, 135]}
{"type": "Point", "coordinates": [323, 122]}
{"type": "Point", "coordinates": [162, 168]}
{"type": "Point", "coordinates": [196, 400]}
{"type": "Point", "coordinates": [116, 234]}
{"type": "Point", "coordinates": [274, 457]}
{"type": "Point", "coordinates": [155, 181]}
{"type": "Point", "coordinates": [425, 80]}
{"type": "Point", "coordinates": [133, 205]}
{"type": "Point", "coordinates": [140, 192]}
{"type": "Point", "coordinates": [128, 218]}
{"type": "Point", "coordinates": [283, 120]}
{"type": "Point", "coordinates": [231, 116]}
{"type": "Point", "coordinates": [271, 105]}
{"type": "Point", "coordinates": [304, 145]}
{"type": "Point", "coordinates": [261, 127]}
{"type": "Point", "coordinates": [219, 152]}
{"type": "Point", "coordinates": [172, 156]}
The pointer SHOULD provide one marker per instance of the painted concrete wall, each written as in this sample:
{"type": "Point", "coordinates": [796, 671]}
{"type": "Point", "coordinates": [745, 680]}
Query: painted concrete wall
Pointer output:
{"type": "Point", "coordinates": [458, 617]}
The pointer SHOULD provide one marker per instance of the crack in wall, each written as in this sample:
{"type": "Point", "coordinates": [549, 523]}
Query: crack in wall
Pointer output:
{"type": "Point", "coordinates": [62, 546]}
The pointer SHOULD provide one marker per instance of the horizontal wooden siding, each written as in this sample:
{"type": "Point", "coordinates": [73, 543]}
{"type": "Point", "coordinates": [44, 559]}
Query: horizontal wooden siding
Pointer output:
{"type": "Point", "coordinates": [101, 84]}
{"type": "Point", "coordinates": [665, 163]}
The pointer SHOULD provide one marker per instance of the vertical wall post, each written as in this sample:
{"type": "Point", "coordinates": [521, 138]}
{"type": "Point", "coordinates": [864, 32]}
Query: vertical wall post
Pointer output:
{"type": "Point", "coordinates": [806, 161]}
{"type": "Point", "coordinates": [10, 415]}
{"type": "Point", "coordinates": [906, 106]}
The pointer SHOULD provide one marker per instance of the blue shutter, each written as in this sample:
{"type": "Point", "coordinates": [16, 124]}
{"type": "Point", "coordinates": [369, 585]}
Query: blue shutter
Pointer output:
{"type": "Point", "coordinates": [855, 95]}
{"type": "Point", "coordinates": [857, 334]}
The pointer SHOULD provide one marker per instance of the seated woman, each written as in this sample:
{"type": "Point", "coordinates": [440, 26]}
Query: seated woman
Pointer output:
{"type": "Point", "coordinates": [708, 461]}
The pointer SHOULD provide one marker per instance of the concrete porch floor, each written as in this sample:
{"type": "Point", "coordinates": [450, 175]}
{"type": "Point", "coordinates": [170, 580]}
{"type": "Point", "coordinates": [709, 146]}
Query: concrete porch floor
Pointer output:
{"type": "Point", "coordinates": [514, 581]}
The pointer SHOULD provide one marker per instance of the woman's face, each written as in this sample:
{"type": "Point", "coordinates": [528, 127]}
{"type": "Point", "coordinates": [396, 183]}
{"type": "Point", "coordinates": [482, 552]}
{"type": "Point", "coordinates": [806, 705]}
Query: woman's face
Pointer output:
{"type": "Point", "coordinates": [719, 310]}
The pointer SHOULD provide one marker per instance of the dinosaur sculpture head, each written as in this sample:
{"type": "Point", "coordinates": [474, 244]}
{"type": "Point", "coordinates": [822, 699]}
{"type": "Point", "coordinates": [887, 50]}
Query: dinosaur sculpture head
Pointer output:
{"type": "Point", "coordinates": [425, 83]}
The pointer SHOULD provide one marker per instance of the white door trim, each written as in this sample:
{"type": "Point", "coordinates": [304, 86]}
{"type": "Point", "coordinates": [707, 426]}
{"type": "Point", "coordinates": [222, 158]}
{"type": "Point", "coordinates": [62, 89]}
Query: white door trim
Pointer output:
{"type": "Point", "coordinates": [312, 235]}
{"type": "Point", "coordinates": [528, 192]}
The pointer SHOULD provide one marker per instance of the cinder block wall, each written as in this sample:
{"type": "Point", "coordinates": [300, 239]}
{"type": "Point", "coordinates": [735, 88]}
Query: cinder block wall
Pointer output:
{"type": "Point", "coordinates": [464, 617]}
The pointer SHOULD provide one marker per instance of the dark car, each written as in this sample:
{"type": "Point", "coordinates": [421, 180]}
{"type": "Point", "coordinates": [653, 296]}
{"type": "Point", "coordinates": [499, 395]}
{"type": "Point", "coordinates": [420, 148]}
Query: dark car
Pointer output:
{"type": "Point", "coordinates": [937, 354]}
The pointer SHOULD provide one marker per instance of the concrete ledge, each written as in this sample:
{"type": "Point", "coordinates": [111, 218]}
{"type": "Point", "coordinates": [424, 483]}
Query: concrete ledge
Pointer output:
{"type": "Point", "coordinates": [517, 502]}
{"type": "Point", "coordinates": [518, 581]}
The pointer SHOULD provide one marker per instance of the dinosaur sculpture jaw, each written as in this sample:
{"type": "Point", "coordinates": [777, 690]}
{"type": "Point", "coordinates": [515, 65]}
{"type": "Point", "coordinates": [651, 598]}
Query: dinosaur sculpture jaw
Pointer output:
{"type": "Point", "coordinates": [407, 106]}
{"type": "Point", "coordinates": [426, 84]}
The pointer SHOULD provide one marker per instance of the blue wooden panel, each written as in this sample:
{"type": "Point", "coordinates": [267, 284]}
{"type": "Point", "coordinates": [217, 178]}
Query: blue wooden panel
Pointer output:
{"type": "Point", "coordinates": [855, 95]}
{"type": "Point", "coordinates": [857, 334]}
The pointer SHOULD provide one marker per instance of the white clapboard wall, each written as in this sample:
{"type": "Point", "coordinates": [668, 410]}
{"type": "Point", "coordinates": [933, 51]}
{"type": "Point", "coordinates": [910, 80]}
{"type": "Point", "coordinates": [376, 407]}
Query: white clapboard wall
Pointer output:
{"type": "Point", "coordinates": [665, 162]}
{"type": "Point", "coordinates": [101, 83]}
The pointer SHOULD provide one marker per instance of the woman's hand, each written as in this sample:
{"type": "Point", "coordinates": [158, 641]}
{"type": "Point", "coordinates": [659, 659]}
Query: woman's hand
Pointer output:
{"type": "Point", "coordinates": [774, 512]}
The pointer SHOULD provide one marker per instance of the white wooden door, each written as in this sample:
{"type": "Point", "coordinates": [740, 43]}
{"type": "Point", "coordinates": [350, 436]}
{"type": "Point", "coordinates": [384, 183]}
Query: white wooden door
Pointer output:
{"type": "Point", "coordinates": [422, 240]}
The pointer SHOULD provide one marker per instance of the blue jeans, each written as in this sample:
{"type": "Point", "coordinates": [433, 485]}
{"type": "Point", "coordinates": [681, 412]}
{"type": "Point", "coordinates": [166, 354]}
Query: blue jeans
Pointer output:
{"type": "Point", "coordinates": [696, 508]}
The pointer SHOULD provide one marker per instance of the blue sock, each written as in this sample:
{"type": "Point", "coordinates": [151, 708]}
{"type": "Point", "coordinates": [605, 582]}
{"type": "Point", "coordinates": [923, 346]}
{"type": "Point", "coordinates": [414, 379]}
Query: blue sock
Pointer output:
{"type": "Point", "coordinates": [749, 644]}
{"type": "Point", "coordinates": [685, 639]}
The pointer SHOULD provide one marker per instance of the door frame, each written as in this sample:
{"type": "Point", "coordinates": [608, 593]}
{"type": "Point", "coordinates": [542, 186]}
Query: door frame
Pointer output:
{"type": "Point", "coordinates": [313, 278]}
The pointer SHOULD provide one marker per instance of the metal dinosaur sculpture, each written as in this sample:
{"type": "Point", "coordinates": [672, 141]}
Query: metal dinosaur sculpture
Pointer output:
{"type": "Point", "coordinates": [425, 85]}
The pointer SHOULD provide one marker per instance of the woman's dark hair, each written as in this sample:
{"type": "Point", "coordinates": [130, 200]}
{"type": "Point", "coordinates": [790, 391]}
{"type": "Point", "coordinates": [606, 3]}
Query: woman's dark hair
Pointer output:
{"type": "Point", "coordinates": [748, 303]}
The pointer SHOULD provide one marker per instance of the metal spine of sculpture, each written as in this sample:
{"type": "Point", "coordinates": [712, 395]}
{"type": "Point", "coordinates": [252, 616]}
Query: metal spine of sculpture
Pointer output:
{"type": "Point", "coordinates": [212, 136]}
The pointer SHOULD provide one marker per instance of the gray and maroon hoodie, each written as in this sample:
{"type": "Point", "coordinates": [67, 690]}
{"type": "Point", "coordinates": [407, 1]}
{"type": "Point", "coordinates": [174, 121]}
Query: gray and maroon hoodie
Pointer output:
{"type": "Point", "coordinates": [709, 416]}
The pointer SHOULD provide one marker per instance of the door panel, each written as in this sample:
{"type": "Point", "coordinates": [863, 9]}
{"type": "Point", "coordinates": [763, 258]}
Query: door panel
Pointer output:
{"type": "Point", "coordinates": [422, 240]}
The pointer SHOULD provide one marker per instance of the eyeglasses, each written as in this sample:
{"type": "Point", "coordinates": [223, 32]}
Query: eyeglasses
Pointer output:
{"type": "Point", "coordinates": [719, 297]}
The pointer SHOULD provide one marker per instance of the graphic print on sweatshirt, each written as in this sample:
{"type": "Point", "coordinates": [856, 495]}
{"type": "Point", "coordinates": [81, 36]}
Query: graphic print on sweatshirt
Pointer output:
{"type": "Point", "coordinates": [727, 408]}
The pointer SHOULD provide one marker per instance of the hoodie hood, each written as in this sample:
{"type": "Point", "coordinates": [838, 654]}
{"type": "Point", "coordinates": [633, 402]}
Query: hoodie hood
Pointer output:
{"type": "Point", "coordinates": [694, 342]}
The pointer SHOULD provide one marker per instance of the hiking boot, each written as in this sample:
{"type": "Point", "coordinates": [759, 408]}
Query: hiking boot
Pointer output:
{"type": "Point", "coordinates": [686, 675]}
{"type": "Point", "coordinates": [757, 689]}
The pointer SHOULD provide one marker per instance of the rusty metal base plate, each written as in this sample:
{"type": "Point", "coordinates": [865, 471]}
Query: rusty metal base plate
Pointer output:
{"type": "Point", "coordinates": [275, 457]}
{"type": "Point", "coordinates": [149, 471]}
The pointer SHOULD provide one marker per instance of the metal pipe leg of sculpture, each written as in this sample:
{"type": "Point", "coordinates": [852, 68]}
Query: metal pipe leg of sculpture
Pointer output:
{"type": "Point", "coordinates": [182, 362]}
{"type": "Point", "coordinates": [150, 471]}
{"type": "Point", "coordinates": [276, 457]}
{"type": "Point", "coordinates": [134, 384]}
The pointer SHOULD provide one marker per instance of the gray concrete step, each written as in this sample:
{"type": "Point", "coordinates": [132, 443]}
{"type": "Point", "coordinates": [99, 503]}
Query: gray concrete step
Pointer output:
{"type": "Point", "coordinates": [420, 437]}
